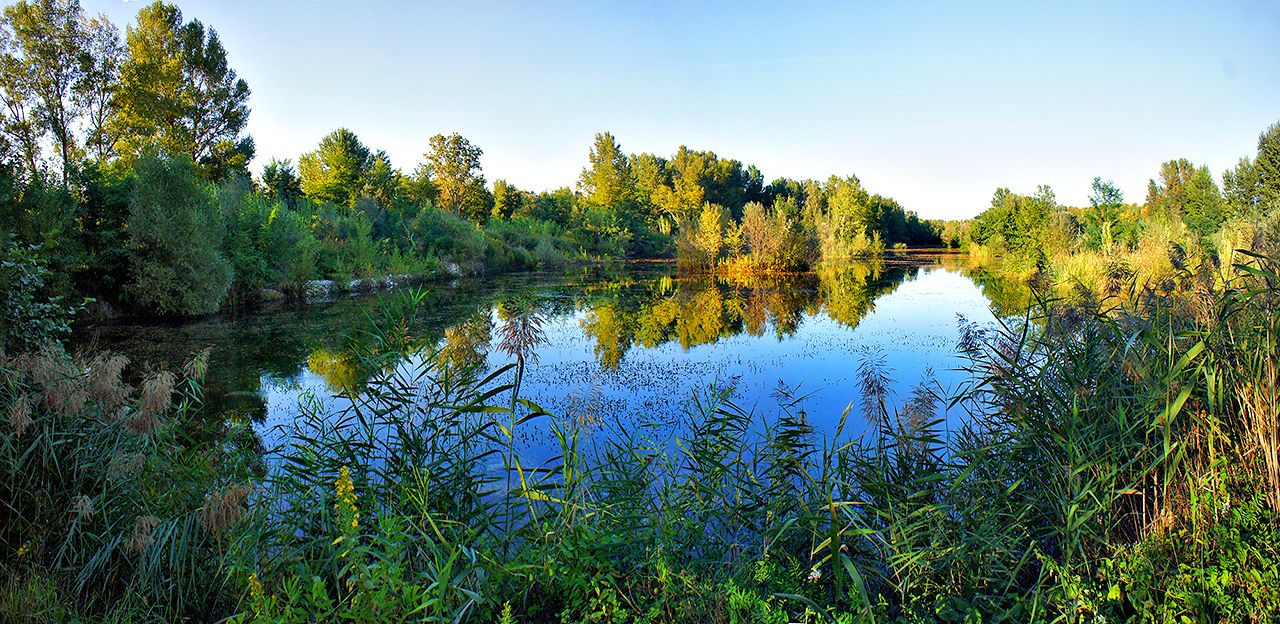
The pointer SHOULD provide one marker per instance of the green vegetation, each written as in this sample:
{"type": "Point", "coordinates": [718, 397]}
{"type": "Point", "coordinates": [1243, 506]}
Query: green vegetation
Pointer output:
{"type": "Point", "coordinates": [1186, 220]}
{"type": "Point", "coordinates": [1157, 423]}
{"type": "Point", "coordinates": [126, 163]}
{"type": "Point", "coordinates": [1120, 463]}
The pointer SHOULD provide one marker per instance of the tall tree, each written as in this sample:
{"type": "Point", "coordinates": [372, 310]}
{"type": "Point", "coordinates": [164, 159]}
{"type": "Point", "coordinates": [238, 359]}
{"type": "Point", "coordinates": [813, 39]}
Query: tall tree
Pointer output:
{"type": "Point", "coordinates": [607, 182]}
{"type": "Point", "coordinates": [1240, 186]}
{"type": "Point", "coordinates": [455, 168]}
{"type": "Point", "coordinates": [281, 182]}
{"type": "Point", "coordinates": [1105, 220]}
{"type": "Point", "coordinates": [1266, 167]}
{"type": "Point", "coordinates": [335, 172]}
{"type": "Point", "coordinates": [178, 93]}
{"type": "Point", "coordinates": [56, 67]}
{"type": "Point", "coordinates": [1204, 210]}
{"type": "Point", "coordinates": [1169, 196]}
{"type": "Point", "coordinates": [506, 199]}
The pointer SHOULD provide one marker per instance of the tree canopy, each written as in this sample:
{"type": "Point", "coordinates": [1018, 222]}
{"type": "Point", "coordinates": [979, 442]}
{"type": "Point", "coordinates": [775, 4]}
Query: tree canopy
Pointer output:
{"type": "Point", "coordinates": [178, 94]}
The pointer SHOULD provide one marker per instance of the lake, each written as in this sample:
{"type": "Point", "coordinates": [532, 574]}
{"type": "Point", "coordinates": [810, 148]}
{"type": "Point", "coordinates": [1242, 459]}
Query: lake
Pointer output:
{"type": "Point", "coordinates": [625, 345]}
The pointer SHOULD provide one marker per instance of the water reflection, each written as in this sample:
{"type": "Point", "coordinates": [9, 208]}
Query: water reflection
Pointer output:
{"type": "Point", "coordinates": [596, 342]}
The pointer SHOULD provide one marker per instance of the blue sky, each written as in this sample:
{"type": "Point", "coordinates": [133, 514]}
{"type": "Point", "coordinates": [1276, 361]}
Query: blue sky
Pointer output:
{"type": "Point", "coordinates": [934, 104]}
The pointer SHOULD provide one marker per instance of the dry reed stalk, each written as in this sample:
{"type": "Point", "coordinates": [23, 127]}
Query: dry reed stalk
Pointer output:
{"type": "Point", "coordinates": [1259, 411]}
{"type": "Point", "coordinates": [223, 509]}
{"type": "Point", "coordinates": [82, 506]}
{"type": "Point", "coordinates": [143, 527]}
{"type": "Point", "coordinates": [105, 386]}
{"type": "Point", "coordinates": [125, 465]}
{"type": "Point", "coordinates": [198, 365]}
{"type": "Point", "coordinates": [157, 393]}
{"type": "Point", "coordinates": [20, 415]}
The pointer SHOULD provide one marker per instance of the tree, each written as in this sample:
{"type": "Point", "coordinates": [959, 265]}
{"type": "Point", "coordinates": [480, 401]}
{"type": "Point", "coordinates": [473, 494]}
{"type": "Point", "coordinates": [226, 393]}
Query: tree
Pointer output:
{"type": "Point", "coordinates": [381, 182]}
{"type": "Point", "coordinates": [455, 168]}
{"type": "Point", "coordinates": [56, 68]}
{"type": "Point", "coordinates": [418, 188]}
{"type": "Point", "coordinates": [1168, 197]}
{"type": "Point", "coordinates": [280, 182]}
{"type": "Point", "coordinates": [1266, 167]}
{"type": "Point", "coordinates": [1240, 186]}
{"type": "Point", "coordinates": [1105, 220]}
{"type": "Point", "coordinates": [1203, 210]}
{"type": "Point", "coordinates": [608, 181]}
{"type": "Point", "coordinates": [506, 199]}
{"type": "Point", "coordinates": [336, 170]}
{"type": "Point", "coordinates": [174, 235]}
{"type": "Point", "coordinates": [178, 94]}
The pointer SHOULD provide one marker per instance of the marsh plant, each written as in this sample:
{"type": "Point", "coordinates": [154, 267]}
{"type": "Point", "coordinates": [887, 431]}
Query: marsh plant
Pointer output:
{"type": "Point", "coordinates": [1117, 464]}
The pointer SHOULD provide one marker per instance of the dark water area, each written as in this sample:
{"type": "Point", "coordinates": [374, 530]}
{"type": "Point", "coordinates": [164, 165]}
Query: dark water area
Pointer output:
{"type": "Point", "coordinates": [623, 347]}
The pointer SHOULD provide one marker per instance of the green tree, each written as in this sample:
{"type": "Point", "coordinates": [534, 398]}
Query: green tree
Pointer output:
{"type": "Point", "coordinates": [507, 199]}
{"type": "Point", "coordinates": [1240, 187]}
{"type": "Point", "coordinates": [382, 182]}
{"type": "Point", "coordinates": [335, 172]}
{"type": "Point", "coordinates": [280, 182]}
{"type": "Point", "coordinates": [418, 188]}
{"type": "Point", "coordinates": [174, 234]}
{"type": "Point", "coordinates": [1266, 167]}
{"type": "Point", "coordinates": [1203, 209]}
{"type": "Point", "coordinates": [650, 172]}
{"type": "Point", "coordinates": [1168, 197]}
{"type": "Point", "coordinates": [56, 68]}
{"type": "Point", "coordinates": [455, 168]}
{"type": "Point", "coordinates": [1105, 221]}
{"type": "Point", "coordinates": [178, 94]}
{"type": "Point", "coordinates": [607, 182]}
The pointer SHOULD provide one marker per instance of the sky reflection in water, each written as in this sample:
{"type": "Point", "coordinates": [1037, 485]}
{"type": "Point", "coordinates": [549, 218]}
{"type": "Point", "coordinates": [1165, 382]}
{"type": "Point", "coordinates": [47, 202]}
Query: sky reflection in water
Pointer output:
{"type": "Point", "coordinates": [624, 352]}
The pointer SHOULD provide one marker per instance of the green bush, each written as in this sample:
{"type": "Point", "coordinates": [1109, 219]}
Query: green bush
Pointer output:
{"type": "Point", "coordinates": [29, 317]}
{"type": "Point", "coordinates": [175, 233]}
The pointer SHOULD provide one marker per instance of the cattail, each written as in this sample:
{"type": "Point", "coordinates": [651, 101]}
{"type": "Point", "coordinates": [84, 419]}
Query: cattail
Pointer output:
{"type": "Point", "coordinates": [143, 527]}
{"type": "Point", "coordinates": [20, 415]}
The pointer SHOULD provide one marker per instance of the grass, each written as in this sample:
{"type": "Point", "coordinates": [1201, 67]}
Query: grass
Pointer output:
{"type": "Point", "coordinates": [1119, 464]}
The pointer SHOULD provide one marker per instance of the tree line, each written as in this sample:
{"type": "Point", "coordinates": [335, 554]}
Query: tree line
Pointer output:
{"type": "Point", "coordinates": [124, 164]}
{"type": "Point", "coordinates": [1185, 212]}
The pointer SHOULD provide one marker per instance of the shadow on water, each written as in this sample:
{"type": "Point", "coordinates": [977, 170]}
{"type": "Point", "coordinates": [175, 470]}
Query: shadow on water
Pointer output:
{"type": "Point", "coordinates": [625, 343]}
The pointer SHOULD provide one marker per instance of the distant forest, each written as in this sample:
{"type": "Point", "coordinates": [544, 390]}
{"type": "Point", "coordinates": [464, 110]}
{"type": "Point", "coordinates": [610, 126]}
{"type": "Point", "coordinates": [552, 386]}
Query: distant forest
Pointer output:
{"type": "Point", "coordinates": [124, 177]}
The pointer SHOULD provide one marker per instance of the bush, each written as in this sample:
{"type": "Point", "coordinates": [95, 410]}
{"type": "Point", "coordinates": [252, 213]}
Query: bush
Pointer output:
{"type": "Point", "coordinates": [29, 317]}
{"type": "Point", "coordinates": [175, 233]}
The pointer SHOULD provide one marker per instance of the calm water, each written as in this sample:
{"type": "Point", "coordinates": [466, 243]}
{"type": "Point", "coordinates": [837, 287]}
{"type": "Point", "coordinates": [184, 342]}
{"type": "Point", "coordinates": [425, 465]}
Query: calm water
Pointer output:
{"type": "Point", "coordinates": [625, 346]}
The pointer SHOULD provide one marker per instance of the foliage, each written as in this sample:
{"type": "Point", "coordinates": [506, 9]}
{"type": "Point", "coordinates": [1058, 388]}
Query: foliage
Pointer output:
{"type": "Point", "coordinates": [455, 170]}
{"type": "Point", "coordinates": [56, 72]}
{"type": "Point", "coordinates": [340, 168]}
{"type": "Point", "coordinates": [100, 486]}
{"type": "Point", "coordinates": [29, 317]}
{"type": "Point", "coordinates": [177, 94]}
{"type": "Point", "coordinates": [174, 234]}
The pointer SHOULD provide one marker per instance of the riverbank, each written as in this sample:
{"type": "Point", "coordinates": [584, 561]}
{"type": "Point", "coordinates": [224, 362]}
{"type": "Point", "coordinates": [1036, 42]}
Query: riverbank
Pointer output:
{"type": "Point", "coordinates": [799, 524]}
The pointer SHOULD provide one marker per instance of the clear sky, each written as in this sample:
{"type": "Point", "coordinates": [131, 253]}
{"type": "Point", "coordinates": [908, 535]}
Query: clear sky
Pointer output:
{"type": "Point", "coordinates": [933, 104]}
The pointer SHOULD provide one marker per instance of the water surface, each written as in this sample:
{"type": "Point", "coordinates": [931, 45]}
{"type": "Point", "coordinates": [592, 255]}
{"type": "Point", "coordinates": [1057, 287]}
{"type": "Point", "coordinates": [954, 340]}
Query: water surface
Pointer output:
{"type": "Point", "coordinates": [623, 346]}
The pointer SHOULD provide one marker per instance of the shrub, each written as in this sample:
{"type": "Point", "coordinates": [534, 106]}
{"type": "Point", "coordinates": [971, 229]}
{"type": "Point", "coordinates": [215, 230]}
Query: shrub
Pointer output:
{"type": "Point", "coordinates": [175, 234]}
{"type": "Point", "coordinates": [29, 317]}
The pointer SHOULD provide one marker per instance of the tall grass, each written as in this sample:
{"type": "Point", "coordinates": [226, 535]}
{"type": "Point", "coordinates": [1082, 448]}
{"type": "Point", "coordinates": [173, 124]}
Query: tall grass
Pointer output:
{"type": "Point", "coordinates": [1119, 463]}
